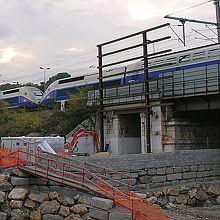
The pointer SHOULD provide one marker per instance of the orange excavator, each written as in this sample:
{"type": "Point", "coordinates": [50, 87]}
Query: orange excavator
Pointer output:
{"type": "Point", "coordinates": [71, 148]}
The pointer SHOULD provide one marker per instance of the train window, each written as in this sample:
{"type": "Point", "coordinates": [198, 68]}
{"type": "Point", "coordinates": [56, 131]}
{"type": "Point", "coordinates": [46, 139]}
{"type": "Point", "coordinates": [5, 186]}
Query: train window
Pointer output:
{"type": "Point", "coordinates": [184, 58]}
{"type": "Point", "coordinates": [171, 60]}
{"type": "Point", "coordinates": [214, 52]}
{"type": "Point", "coordinates": [158, 62]}
{"type": "Point", "coordinates": [12, 100]}
{"type": "Point", "coordinates": [199, 55]}
{"type": "Point", "coordinates": [71, 80]}
{"type": "Point", "coordinates": [111, 83]}
{"type": "Point", "coordinates": [10, 91]}
{"type": "Point", "coordinates": [38, 93]}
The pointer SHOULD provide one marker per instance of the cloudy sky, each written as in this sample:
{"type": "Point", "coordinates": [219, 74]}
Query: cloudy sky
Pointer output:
{"type": "Point", "coordinates": [63, 34]}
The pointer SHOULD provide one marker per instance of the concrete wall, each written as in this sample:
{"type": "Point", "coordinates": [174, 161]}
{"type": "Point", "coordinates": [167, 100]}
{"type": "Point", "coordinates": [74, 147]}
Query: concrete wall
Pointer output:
{"type": "Point", "coordinates": [171, 168]}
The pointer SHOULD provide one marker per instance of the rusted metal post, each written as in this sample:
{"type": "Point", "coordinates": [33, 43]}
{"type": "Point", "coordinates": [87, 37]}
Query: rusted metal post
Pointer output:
{"type": "Point", "coordinates": [147, 99]}
{"type": "Point", "coordinates": [101, 115]}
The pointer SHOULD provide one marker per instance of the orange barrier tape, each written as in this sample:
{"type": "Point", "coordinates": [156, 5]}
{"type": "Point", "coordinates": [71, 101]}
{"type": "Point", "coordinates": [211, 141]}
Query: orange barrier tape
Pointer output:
{"type": "Point", "coordinates": [141, 208]}
{"type": "Point", "coordinates": [10, 158]}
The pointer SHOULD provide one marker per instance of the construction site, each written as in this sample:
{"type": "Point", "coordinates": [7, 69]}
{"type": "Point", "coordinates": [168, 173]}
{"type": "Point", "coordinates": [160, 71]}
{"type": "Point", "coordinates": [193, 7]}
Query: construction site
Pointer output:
{"type": "Point", "coordinates": [150, 150]}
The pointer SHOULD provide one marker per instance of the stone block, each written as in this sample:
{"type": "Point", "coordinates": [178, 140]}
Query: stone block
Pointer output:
{"type": "Point", "coordinates": [18, 194]}
{"type": "Point", "coordinates": [38, 181]}
{"type": "Point", "coordinates": [52, 217]}
{"type": "Point", "coordinates": [145, 179]}
{"type": "Point", "coordinates": [176, 176]}
{"type": "Point", "coordinates": [177, 169]}
{"type": "Point", "coordinates": [161, 171]}
{"type": "Point", "coordinates": [19, 181]}
{"type": "Point", "coordinates": [169, 170]}
{"type": "Point", "coordinates": [102, 203]}
{"type": "Point", "coordinates": [193, 168]}
{"type": "Point", "coordinates": [99, 214]}
{"type": "Point", "coordinates": [19, 173]}
{"type": "Point", "coordinates": [120, 213]}
{"type": "Point", "coordinates": [3, 215]}
{"type": "Point", "coordinates": [151, 171]}
{"type": "Point", "coordinates": [189, 175]}
{"type": "Point", "coordinates": [159, 179]}
{"type": "Point", "coordinates": [142, 172]}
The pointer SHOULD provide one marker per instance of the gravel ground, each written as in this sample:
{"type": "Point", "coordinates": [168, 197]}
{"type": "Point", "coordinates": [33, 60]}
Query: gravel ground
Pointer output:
{"type": "Point", "coordinates": [196, 213]}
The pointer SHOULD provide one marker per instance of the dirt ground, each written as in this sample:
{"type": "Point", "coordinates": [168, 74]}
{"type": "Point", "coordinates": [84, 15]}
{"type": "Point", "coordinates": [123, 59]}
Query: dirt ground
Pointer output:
{"type": "Point", "coordinates": [196, 213]}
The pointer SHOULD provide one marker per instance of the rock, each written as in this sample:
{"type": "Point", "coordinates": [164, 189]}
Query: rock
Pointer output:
{"type": "Point", "coordinates": [102, 203]}
{"type": "Point", "coordinates": [5, 186]}
{"type": "Point", "coordinates": [48, 207]}
{"type": "Point", "coordinates": [16, 204]}
{"type": "Point", "coordinates": [181, 199]}
{"type": "Point", "coordinates": [18, 194]}
{"type": "Point", "coordinates": [3, 215]}
{"type": "Point", "coordinates": [85, 199]}
{"type": "Point", "coordinates": [19, 181]}
{"type": "Point", "coordinates": [152, 199]}
{"type": "Point", "coordinates": [120, 213]}
{"type": "Point", "coordinates": [158, 194]}
{"type": "Point", "coordinates": [38, 197]}
{"type": "Point", "coordinates": [73, 217]}
{"type": "Point", "coordinates": [172, 199]}
{"type": "Point", "coordinates": [99, 214]}
{"type": "Point", "coordinates": [184, 189]}
{"type": "Point", "coordinates": [2, 197]}
{"type": "Point", "coordinates": [79, 209]}
{"type": "Point", "coordinates": [170, 205]}
{"type": "Point", "coordinates": [19, 173]}
{"type": "Point", "coordinates": [52, 217]}
{"type": "Point", "coordinates": [75, 198]}
{"type": "Point", "coordinates": [192, 193]}
{"type": "Point", "coordinates": [53, 195]}
{"type": "Point", "coordinates": [214, 190]}
{"type": "Point", "coordinates": [172, 191]}
{"type": "Point", "coordinates": [162, 201]}
{"type": "Point", "coordinates": [145, 179]}
{"type": "Point", "coordinates": [6, 208]}
{"type": "Point", "coordinates": [201, 195]}
{"type": "Point", "coordinates": [18, 214]}
{"type": "Point", "coordinates": [29, 204]}
{"type": "Point", "coordinates": [38, 181]}
{"type": "Point", "coordinates": [66, 201]}
{"type": "Point", "coordinates": [218, 200]}
{"type": "Point", "coordinates": [35, 215]}
{"type": "Point", "coordinates": [4, 177]}
{"type": "Point", "coordinates": [64, 211]}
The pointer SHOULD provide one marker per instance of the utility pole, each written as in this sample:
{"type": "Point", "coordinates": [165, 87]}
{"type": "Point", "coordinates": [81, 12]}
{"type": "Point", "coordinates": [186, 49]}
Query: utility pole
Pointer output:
{"type": "Point", "coordinates": [183, 20]}
{"type": "Point", "coordinates": [44, 69]}
{"type": "Point", "coordinates": [217, 9]}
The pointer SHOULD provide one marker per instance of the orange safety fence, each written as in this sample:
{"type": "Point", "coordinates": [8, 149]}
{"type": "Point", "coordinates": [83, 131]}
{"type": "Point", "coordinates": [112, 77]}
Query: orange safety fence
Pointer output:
{"type": "Point", "coordinates": [10, 158]}
{"type": "Point", "coordinates": [141, 208]}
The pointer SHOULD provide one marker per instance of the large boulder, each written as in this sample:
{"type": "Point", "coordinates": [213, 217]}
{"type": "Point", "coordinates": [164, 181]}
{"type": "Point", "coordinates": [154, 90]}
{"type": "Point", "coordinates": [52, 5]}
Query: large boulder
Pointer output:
{"type": "Point", "coordinates": [182, 199]}
{"type": "Point", "coordinates": [79, 209]}
{"type": "Point", "coordinates": [18, 194]}
{"type": "Point", "coordinates": [48, 207]}
{"type": "Point", "coordinates": [2, 197]}
{"type": "Point", "coordinates": [16, 204]}
{"type": "Point", "coordinates": [29, 204]}
{"type": "Point", "coordinates": [213, 190]}
{"type": "Point", "coordinates": [53, 195]}
{"type": "Point", "coordinates": [201, 195]}
{"type": "Point", "coordinates": [64, 211]}
{"type": "Point", "coordinates": [5, 186]}
{"type": "Point", "coordinates": [66, 201]}
{"type": "Point", "coordinates": [35, 215]}
{"type": "Point", "coordinates": [74, 217]}
{"type": "Point", "coordinates": [38, 197]}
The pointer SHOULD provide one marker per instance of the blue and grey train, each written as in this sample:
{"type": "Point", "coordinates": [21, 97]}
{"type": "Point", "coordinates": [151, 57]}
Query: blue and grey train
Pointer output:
{"type": "Point", "coordinates": [22, 96]}
{"type": "Point", "coordinates": [192, 65]}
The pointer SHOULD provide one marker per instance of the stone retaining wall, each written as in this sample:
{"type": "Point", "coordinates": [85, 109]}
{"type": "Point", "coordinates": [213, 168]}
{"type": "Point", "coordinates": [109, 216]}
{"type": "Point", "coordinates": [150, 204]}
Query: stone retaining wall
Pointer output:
{"type": "Point", "coordinates": [165, 169]}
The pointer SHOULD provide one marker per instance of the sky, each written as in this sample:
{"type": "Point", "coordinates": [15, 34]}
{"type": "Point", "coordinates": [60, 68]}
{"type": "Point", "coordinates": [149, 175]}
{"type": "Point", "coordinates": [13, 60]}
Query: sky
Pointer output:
{"type": "Point", "coordinates": [63, 34]}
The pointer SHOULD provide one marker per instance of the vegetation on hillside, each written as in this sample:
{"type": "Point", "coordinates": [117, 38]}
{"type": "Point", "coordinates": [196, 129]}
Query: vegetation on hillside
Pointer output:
{"type": "Point", "coordinates": [18, 122]}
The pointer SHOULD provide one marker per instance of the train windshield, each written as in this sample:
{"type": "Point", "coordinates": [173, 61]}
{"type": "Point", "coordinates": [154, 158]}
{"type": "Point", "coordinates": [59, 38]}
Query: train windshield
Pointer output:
{"type": "Point", "coordinates": [38, 94]}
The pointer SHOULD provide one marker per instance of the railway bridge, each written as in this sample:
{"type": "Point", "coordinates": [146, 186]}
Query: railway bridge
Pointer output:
{"type": "Point", "coordinates": [184, 107]}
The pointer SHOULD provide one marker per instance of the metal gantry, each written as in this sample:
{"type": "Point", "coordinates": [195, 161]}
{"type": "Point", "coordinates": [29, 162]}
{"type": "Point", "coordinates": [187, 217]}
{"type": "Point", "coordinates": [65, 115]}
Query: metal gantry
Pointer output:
{"type": "Point", "coordinates": [144, 56]}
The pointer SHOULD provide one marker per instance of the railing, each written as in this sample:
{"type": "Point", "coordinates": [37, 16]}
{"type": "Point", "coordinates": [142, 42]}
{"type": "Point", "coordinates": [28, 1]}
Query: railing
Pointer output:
{"type": "Point", "coordinates": [179, 83]}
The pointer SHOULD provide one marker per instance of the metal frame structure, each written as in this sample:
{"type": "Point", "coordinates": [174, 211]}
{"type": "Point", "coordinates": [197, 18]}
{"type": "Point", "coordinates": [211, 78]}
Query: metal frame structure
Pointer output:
{"type": "Point", "coordinates": [145, 55]}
